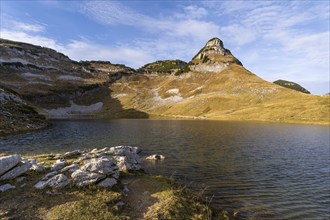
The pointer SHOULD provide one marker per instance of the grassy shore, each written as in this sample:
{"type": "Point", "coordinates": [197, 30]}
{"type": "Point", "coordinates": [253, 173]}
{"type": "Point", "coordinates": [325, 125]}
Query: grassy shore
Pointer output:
{"type": "Point", "coordinates": [147, 197]}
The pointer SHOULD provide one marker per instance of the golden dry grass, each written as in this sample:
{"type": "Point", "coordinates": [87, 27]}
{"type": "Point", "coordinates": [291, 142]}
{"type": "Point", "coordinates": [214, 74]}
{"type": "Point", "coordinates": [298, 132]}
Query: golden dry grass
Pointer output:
{"type": "Point", "coordinates": [233, 94]}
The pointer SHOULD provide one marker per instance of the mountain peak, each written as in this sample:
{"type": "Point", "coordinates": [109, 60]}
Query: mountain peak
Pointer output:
{"type": "Point", "coordinates": [213, 57]}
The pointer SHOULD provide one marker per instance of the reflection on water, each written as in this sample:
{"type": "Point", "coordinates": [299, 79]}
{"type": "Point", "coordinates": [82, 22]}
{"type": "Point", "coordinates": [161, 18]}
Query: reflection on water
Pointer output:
{"type": "Point", "coordinates": [265, 171]}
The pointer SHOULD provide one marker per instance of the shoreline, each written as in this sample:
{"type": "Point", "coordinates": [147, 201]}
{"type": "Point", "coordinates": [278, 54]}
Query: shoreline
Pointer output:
{"type": "Point", "coordinates": [161, 197]}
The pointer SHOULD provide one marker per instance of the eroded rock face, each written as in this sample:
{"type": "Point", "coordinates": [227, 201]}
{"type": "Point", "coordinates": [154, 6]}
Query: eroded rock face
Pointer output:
{"type": "Point", "coordinates": [8, 162]}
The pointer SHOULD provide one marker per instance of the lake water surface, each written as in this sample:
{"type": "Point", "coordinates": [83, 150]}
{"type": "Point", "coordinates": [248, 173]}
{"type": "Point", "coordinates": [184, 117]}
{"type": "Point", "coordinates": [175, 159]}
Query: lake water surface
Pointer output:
{"type": "Point", "coordinates": [261, 170]}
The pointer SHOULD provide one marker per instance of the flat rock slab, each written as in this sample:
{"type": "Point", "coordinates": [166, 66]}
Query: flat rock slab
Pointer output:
{"type": "Point", "coordinates": [17, 171]}
{"type": "Point", "coordinates": [8, 162]}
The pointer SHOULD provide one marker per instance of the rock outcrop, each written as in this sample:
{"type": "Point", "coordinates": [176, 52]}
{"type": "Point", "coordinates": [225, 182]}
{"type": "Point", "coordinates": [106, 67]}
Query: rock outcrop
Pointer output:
{"type": "Point", "coordinates": [99, 166]}
{"type": "Point", "coordinates": [213, 57]}
{"type": "Point", "coordinates": [291, 85]}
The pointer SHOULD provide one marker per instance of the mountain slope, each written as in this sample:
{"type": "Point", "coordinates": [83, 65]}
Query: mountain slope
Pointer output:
{"type": "Point", "coordinates": [213, 85]}
{"type": "Point", "coordinates": [58, 86]}
{"type": "Point", "coordinates": [16, 115]}
{"type": "Point", "coordinates": [218, 88]}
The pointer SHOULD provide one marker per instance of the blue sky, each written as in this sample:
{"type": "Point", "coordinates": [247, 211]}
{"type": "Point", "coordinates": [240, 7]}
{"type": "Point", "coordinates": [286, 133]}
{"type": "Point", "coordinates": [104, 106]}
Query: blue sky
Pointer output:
{"type": "Point", "coordinates": [273, 39]}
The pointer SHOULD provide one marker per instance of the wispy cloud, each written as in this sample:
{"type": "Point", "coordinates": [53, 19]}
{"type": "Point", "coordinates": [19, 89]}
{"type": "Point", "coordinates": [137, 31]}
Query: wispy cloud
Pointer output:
{"type": "Point", "coordinates": [28, 27]}
{"type": "Point", "coordinates": [287, 39]}
{"type": "Point", "coordinates": [185, 24]}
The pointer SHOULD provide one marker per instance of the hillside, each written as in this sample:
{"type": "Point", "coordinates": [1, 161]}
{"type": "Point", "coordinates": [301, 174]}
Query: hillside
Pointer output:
{"type": "Point", "coordinates": [16, 115]}
{"type": "Point", "coordinates": [291, 85]}
{"type": "Point", "coordinates": [218, 87]}
{"type": "Point", "coordinates": [213, 85]}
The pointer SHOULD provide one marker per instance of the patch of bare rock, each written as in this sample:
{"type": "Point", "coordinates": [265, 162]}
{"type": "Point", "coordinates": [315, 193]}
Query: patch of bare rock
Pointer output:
{"type": "Point", "coordinates": [78, 168]}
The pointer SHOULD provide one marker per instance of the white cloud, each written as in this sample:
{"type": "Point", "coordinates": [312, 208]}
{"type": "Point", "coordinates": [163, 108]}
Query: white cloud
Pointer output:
{"type": "Point", "coordinates": [20, 26]}
{"type": "Point", "coordinates": [193, 11]}
{"type": "Point", "coordinates": [22, 36]}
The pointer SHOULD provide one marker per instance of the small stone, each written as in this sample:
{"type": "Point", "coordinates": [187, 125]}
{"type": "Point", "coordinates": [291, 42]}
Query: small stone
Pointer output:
{"type": "Point", "coordinates": [108, 182]}
{"type": "Point", "coordinates": [20, 179]}
{"type": "Point", "coordinates": [5, 187]}
{"type": "Point", "coordinates": [120, 203]}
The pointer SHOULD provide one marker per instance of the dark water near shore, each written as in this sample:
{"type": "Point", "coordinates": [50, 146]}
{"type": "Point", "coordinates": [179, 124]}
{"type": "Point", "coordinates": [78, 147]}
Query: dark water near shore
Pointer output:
{"type": "Point", "coordinates": [261, 170]}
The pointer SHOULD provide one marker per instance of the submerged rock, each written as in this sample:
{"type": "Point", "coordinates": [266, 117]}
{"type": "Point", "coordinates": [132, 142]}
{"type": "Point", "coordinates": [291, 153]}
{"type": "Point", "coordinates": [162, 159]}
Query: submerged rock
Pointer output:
{"type": "Point", "coordinates": [8, 162]}
{"type": "Point", "coordinates": [155, 157]}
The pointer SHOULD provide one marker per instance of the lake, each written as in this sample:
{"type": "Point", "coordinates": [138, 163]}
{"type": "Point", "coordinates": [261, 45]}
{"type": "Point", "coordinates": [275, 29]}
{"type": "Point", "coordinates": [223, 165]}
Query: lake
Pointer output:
{"type": "Point", "coordinates": [261, 170]}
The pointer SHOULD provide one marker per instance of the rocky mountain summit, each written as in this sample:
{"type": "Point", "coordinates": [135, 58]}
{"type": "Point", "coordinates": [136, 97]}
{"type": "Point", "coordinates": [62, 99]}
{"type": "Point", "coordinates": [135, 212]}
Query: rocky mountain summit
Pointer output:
{"type": "Point", "coordinates": [213, 57]}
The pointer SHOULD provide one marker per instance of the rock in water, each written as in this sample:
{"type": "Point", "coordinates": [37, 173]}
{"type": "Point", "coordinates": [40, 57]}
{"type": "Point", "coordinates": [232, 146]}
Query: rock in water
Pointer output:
{"type": "Point", "coordinates": [155, 157]}
{"type": "Point", "coordinates": [8, 162]}
{"type": "Point", "coordinates": [17, 171]}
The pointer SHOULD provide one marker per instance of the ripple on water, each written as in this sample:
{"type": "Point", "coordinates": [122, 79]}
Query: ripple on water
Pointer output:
{"type": "Point", "coordinates": [264, 171]}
